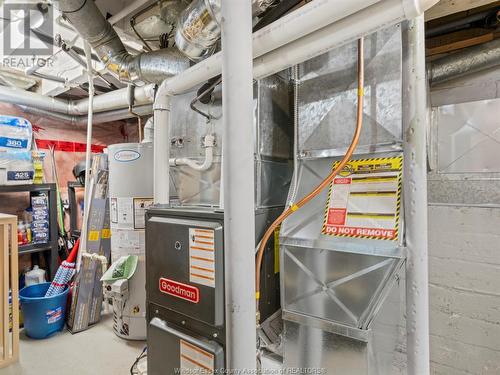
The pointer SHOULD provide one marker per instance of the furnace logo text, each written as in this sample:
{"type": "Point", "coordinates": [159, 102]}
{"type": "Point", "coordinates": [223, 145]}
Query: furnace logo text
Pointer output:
{"type": "Point", "coordinates": [180, 290]}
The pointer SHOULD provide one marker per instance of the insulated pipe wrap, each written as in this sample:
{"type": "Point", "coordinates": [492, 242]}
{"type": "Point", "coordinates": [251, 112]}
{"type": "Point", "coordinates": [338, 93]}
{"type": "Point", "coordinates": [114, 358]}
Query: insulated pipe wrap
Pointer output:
{"type": "Point", "coordinates": [467, 61]}
{"type": "Point", "coordinates": [198, 29]}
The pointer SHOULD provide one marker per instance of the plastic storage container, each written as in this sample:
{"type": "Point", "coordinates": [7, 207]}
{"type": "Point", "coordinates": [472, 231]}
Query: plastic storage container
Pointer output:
{"type": "Point", "coordinates": [35, 276]}
{"type": "Point", "coordinates": [43, 316]}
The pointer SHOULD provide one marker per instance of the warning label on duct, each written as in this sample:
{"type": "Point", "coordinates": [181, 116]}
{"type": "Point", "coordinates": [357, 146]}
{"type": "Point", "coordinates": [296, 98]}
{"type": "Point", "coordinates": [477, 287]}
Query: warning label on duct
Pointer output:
{"type": "Point", "coordinates": [202, 256]}
{"type": "Point", "coordinates": [194, 360]}
{"type": "Point", "coordinates": [364, 199]}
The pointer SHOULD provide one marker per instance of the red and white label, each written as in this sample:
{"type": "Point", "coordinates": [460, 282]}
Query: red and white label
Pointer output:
{"type": "Point", "coordinates": [202, 256]}
{"type": "Point", "coordinates": [183, 291]}
{"type": "Point", "coordinates": [364, 201]}
{"type": "Point", "coordinates": [356, 231]}
{"type": "Point", "coordinates": [194, 360]}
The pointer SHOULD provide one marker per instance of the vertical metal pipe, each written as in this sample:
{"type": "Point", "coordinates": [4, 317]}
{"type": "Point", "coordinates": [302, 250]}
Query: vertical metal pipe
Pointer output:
{"type": "Point", "coordinates": [238, 170]}
{"type": "Point", "coordinates": [415, 117]}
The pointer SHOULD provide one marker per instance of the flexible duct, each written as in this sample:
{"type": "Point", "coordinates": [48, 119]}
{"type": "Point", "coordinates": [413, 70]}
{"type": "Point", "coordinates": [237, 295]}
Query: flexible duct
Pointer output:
{"type": "Point", "coordinates": [152, 67]}
{"type": "Point", "coordinates": [467, 61]}
{"type": "Point", "coordinates": [198, 29]}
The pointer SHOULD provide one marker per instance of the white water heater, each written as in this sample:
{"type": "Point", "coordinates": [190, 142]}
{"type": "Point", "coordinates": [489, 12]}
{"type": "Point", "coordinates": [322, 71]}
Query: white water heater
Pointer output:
{"type": "Point", "coordinates": [130, 194]}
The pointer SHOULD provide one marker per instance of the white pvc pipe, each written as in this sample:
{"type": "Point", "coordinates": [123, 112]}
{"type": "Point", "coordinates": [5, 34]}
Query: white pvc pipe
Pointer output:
{"type": "Point", "coordinates": [114, 100]}
{"type": "Point", "coordinates": [239, 205]}
{"type": "Point", "coordinates": [305, 20]}
{"type": "Point", "coordinates": [364, 22]}
{"type": "Point", "coordinates": [415, 117]}
{"type": "Point", "coordinates": [209, 143]}
{"type": "Point", "coordinates": [161, 150]}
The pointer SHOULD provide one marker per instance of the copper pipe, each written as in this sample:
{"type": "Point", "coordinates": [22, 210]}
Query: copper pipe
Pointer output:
{"type": "Point", "coordinates": [324, 183]}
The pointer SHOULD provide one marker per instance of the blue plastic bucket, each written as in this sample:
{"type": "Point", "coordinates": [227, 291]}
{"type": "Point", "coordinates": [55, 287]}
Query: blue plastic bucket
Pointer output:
{"type": "Point", "coordinates": [43, 316]}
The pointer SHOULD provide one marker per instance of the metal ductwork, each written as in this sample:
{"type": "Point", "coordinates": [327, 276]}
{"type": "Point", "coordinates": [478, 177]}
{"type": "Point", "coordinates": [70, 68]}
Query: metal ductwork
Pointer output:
{"type": "Point", "coordinates": [151, 67]}
{"type": "Point", "coordinates": [467, 61]}
{"type": "Point", "coordinates": [113, 100]}
{"type": "Point", "coordinates": [198, 29]}
{"type": "Point", "coordinates": [98, 118]}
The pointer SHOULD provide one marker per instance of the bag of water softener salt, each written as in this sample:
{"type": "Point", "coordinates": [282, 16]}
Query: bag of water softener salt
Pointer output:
{"type": "Point", "coordinates": [16, 165]}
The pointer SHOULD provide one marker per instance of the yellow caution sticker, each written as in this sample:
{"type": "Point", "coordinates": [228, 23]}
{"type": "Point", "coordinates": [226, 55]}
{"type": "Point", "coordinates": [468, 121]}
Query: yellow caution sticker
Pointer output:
{"type": "Point", "coordinates": [94, 235]}
{"type": "Point", "coordinates": [364, 200]}
{"type": "Point", "coordinates": [106, 233]}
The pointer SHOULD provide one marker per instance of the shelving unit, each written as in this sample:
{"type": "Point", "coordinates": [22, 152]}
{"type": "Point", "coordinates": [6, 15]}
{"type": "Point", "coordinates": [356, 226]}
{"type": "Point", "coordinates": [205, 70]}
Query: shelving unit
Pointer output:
{"type": "Point", "coordinates": [49, 249]}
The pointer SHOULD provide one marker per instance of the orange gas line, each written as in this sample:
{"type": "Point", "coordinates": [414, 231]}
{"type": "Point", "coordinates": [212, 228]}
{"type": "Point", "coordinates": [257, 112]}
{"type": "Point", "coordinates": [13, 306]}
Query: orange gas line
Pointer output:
{"type": "Point", "coordinates": [324, 183]}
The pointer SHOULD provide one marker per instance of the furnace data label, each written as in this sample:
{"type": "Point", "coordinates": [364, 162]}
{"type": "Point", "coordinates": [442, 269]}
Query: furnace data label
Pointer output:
{"type": "Point", "coordinates": [365, 199]}
{"type": "Point", "coordinates": [202, 256]}
{"type": "Point", "coordinates": [194, 360]}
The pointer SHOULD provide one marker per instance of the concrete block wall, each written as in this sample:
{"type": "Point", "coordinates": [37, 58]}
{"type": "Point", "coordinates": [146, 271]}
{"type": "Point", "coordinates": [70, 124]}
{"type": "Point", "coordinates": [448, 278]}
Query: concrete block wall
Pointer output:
{"type": "Point", "coordinates": [464, 253]}
{"type": "Point", "coordinates": [464, 272]}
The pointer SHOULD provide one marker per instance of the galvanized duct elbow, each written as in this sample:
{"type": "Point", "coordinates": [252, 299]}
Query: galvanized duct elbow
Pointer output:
{"type": "Point", "coordinates": [468, 61]}
{"type": "Point", "coordinates": [198, 29]}
{"type": "Point", "coordinates": [151, 67]}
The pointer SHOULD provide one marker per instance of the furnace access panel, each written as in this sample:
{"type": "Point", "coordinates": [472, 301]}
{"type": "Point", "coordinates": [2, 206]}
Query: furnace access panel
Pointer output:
{"type": "Point", "coordinates": [185, 267]}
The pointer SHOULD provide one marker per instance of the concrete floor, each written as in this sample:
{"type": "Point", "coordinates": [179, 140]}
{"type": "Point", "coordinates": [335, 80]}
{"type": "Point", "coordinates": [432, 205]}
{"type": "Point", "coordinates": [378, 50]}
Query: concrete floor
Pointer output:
{"type": "Point", "coordinates": [95, 351]}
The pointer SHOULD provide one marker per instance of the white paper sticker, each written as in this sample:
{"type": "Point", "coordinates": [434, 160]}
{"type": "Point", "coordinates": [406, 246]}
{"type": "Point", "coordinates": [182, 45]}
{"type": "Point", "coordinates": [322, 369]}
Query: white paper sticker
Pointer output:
{"type": "Point", "coordinates": [194, 360]}
{"type": "Point", "coordinates": [202, 256]}
{"type": "Point", "coordinates": [140, 206]}
{"type": "Point", "coordinates": [125, 208]}
{"type": "Point", "coordinates": [127, 242]}
{"type": "Point", "coordinates": [113, 210]}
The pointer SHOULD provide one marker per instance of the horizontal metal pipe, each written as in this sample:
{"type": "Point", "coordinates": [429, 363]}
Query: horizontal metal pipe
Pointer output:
{"type": "Point", "coordinates": [461, 23]}
{"type": "Point", "coordinates": [467, 61]}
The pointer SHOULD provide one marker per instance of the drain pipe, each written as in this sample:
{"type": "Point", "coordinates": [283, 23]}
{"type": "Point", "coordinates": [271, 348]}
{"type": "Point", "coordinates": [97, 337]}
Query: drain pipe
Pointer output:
{"type": "Point", "coordinates": [208, 144]}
